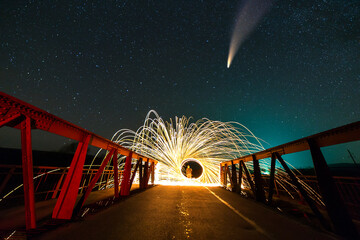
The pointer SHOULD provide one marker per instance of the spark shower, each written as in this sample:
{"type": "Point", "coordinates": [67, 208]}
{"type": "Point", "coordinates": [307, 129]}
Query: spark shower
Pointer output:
{"type": "Point", "coordinates": [178, 141]}
{"type": "Point", "coordinates": [205, 142]}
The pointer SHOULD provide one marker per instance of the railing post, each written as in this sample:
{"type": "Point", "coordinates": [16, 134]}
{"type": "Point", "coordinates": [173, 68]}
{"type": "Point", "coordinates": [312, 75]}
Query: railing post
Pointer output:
{"type": "Point", "coordinates": [248, 177]}
{"type": "Point", "coordinates": [334, 205]}
{"type": "Point", "coordinates": [134, 173]}
{"type": "Point", "coordinates": [27, 166]}
{"type": "Point", "coordinates": [65, 204]}
{"type": "Point", "coordinates": [234, 177]}
{"type": "Point", "coordinates": [140, 173]}
{"type": "Point", "coordinates": [240, 177]}
{"type": "Point", "coordinates": [125, 183]}
{"type": "Point", "coordinates": [148, 175]}
{"type": "Point", "coordinates": [225, 176]}
{"type": "Point", "coordinates": [146, 170]}
{"type": "Point", "coordinates": [272, 179]}
{"type": "Point", "coordinates": [229, 174]}
{"type": "Point", "coordinates": [116, 174]}
{"type": "Point", "coordinates": [259, 189]}
{"type": "Point", "coordinates": [93, 181]}
{"type": "Point", "coordinates": [153, 174]}
{"type": "Point", "coordinates": [221, 175]}
{"type": "Point", "coordinates": [97, 176]}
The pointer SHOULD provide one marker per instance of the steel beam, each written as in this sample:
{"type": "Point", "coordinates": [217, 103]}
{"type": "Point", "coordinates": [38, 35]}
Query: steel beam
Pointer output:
{"type": "Point", "coordinates": [65, 204]}
{"type": "Point", "coordinates": [11, 118]}
{"type": "Point", "coordinates": [145, 176]}
{"type": "Point", "coordinates": [134, 173]}
{"type": "Point", "coordinates": [272, 179]}
{"type": "Point", "coordinates": [125, 183]}
{"type": "Point", "coordinates": [92, 183]}
{"type": "Point", "coordinates": [259, 188]}
{"type": "Point", "coordinates": [229, 174]}
{"type": "Point", "coordinates": [12, 108]}
{"type": "Point", "coordinates": [343, 134]}
{"type": "Point", "coordinates": [116, 174]}
{"type": "Point", "coordinates": [224, 176]}
{"type": "Point", "coordinates": [335, 206]}
{"type": "Point", "coordinates": [234, 181]}
{"type": "Point", "coordinates": [148, 175]}
{"type": "Point", "coordinates": [153, 173]}
{"type": "Point", "coordinates": [240, 176]}
{"type": "Point", "coordinates": [97, 176]}
{"type": "Point", "coordinates": [221, 176]}
{"type": "Point", "coordinates": [248, 177]}
{"type": "Point", "coordinates": [303, 192]}
{"type": "Point", "coordinates": [141, 173]}
{"type": "Point", "coordinates": [27, 166]}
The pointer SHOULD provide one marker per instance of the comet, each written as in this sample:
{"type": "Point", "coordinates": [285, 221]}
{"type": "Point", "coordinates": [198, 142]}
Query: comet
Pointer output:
{"type": "Point", "coordinates": [250, 14]}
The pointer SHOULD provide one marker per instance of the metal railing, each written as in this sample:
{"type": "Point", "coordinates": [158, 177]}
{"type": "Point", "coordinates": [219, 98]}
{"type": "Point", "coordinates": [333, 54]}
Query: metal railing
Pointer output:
{"type": "Point", "coordinates": [21, 115]}
{"type": "Point", "coordinates": [47, 181]}
{"type": "Point", "coordinates": [336, 193]}
{"type": "Point", "coordinates": [348, 187]}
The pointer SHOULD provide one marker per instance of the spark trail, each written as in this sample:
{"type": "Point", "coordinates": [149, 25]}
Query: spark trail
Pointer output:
{"type": "Point", "coordinates": [250, 13]}
{"type": "Point", "coordinates": [208, 142]}
{"type": "Point", "coordinates": [205, 141]}
{"type": "Point", "coordinates": [172, 143]}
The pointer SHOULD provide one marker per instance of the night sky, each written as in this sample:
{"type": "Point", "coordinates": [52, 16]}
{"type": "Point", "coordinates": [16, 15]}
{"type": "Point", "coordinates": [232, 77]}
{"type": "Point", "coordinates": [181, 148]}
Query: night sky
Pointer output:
{"type": "Point", "coordinates": [104, 64]}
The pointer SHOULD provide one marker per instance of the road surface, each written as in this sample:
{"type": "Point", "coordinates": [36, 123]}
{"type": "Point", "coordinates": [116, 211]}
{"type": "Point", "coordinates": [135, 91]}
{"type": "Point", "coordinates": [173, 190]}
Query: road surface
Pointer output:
{"type": "Point", "coordinates": [184, 212]}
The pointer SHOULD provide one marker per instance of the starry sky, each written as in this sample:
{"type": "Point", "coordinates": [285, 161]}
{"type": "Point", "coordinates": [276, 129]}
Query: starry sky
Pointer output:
{"type": "Point", "coordinates": [104, 64]}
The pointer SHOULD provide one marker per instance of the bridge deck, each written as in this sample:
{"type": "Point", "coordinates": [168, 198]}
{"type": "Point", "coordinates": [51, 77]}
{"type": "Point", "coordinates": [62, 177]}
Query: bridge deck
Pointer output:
{"type": "Point", "coordinates": [177, 212]}
{"type": "Point", "coordinates": [13, 218]}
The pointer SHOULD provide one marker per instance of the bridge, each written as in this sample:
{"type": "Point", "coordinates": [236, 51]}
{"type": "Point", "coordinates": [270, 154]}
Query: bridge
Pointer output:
{"type": "Point", "coordinates": [109, 202]}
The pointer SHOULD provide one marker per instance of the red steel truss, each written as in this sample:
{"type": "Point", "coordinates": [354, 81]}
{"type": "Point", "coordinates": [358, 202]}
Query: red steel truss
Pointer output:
{"type": "Point", "coordinates": [21, 115]}
{"type": "Point", "coordinates": [336, 209]}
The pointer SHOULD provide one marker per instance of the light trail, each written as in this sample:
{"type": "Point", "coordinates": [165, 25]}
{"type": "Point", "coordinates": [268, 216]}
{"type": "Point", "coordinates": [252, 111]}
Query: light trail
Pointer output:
{"type": "Point", "coordinates": [250, 13]}
{"type": "Point", "coordinates": [206, 141]}
{"type": "Point", "coordinates": [19, 186]}
{"type": "Point", "coordinates": [171, 143]}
